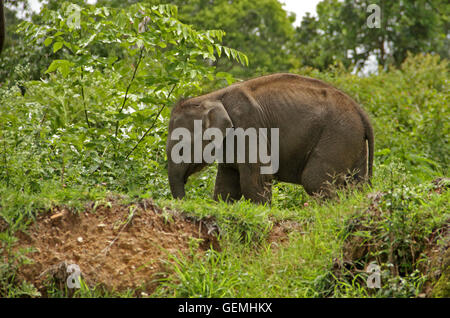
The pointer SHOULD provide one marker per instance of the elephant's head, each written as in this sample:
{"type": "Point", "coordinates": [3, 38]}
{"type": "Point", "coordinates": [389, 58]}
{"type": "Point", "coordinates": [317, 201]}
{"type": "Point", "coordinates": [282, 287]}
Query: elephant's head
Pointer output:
{"type": "Point", "coordinates": [185, 142]}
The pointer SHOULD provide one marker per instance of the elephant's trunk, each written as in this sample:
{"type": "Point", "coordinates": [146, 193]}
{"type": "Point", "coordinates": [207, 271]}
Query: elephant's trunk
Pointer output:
{"type": "Point", "coordinates": [176, 181]}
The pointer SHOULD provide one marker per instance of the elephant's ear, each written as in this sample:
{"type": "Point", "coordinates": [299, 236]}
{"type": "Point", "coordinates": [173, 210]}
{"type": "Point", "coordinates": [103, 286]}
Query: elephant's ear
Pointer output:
{"type": "Point", "coordinates": [217, 117]}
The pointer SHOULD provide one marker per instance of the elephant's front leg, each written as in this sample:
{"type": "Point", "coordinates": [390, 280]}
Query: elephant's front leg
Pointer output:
{"type": "Point", "coordinates": [254, 186]}
{"type": "Point", "coordinates": [227, 185]}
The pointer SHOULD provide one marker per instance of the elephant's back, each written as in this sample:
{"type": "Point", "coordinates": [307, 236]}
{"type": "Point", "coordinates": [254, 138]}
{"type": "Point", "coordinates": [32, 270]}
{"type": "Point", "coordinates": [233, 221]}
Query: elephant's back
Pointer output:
{"type": "Point", "coordinates": [263, 82]}
{"type": "Point", "coordinates": [284, 94]}
{"type": "Point", "coordinates": [305, 110]}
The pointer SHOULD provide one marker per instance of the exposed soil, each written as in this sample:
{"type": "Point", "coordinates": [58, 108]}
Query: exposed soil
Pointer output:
{"type": "Point", "coordinates": [279, 234]}
{"type": "Point", "coordinates": [441, 184]}
{"type": "Point", "coordinates": [116, 246]}
{"type": "Point", "coordinates": [437, 265]}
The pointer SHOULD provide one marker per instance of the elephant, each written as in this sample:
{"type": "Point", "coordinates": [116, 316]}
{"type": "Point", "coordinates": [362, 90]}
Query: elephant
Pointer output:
{"type": "Point", "coordinates": [324, 137]}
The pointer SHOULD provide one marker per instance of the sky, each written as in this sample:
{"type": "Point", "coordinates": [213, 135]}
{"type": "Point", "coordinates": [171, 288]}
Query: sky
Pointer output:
{"type": "Point", "coordinates": [300, 7]}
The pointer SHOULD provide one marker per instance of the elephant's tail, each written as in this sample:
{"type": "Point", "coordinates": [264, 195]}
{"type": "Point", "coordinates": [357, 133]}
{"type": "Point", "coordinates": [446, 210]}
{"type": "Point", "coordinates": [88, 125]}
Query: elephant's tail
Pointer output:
{"type": "Point", "coordinates": [370, 140]}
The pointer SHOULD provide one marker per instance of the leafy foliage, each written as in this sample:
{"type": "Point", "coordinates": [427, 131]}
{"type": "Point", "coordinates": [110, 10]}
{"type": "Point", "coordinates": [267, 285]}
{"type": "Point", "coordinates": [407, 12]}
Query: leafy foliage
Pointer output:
{"type": "Point", "coordinates": [340, 32]}
{"type": "Point", "coordinates": [400, 224]}
{"type": "Point", "coordinates": [261, 29]}
{"type": "Point", "coordinates": [99, 115]}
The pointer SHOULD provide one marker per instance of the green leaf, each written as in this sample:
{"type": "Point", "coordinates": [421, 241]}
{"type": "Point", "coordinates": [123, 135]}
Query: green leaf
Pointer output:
{"type": "Point", "coordinates": [210, 50]}
{"type": "Point", "coordinates": [227, 51]}
{"type": "Point", "coordinates": [57, 46]}
{"type": "Point", "coordinates": [63, 66]}
{"type": "Point", "coordinates": [243, 58]}
{"type": "Point", "coordinates": [218, 49]}
{"type": "Point", "coordinates": [53, 67]}
{"type": "Point", "coordinates": [48, 41]}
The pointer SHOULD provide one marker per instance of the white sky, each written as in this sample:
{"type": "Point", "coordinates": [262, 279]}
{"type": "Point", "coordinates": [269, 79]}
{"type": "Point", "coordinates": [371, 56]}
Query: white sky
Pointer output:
{"type": "Point", "coordinates": [300, 7]}
{"type": "Point", "coordinates": [36, 6]}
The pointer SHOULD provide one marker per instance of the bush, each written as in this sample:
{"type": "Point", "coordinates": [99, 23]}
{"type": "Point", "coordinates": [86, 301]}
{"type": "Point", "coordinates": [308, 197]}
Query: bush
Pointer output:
{"type": "Point", "coordinates": [402, 224]}
{"type": "Point", "coordinates": [98, 117]}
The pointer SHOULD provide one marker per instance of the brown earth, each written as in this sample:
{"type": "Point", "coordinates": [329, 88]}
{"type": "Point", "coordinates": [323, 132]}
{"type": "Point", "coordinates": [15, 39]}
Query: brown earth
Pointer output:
{"type": "Point", "coordinates": [116, 246]}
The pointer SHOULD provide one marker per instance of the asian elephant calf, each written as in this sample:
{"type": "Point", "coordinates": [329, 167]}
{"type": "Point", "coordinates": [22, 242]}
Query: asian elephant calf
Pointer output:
{"type": "Point", "coordinates": [323, 136]}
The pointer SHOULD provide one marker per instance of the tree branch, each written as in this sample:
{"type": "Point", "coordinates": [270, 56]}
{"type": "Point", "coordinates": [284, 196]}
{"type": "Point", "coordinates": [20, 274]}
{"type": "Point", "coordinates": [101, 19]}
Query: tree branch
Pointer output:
{"type": "Point", "coordinates": [152, 125]}
{"type": "Point", "coordinates": [84, 100]}
{"type": "Point", "coordinates": [128, 88]}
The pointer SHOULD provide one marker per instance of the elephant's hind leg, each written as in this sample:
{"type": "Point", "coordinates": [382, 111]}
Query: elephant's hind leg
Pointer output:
{"type": "Point", "coordinates": [361, 167]}
{"type": "Point", "coordinates": [227, 185]}
{"type": "Point", "coordinates": [329, 167]}
{"type": "Point", "coordinates": [316, 177]}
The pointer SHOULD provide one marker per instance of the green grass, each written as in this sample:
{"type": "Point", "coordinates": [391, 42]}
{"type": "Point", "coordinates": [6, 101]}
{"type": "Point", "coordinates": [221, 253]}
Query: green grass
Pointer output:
{"type": "Point", "coordinates": [253, 267]}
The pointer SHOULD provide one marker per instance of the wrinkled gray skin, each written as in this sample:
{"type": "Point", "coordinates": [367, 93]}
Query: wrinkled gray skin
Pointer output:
{"type": "Point", "coordinates": [323, 134]}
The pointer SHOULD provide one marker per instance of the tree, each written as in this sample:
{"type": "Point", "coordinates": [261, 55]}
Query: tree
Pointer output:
{"type": "Point", "coordinates": [319, 42]}
{"type": "Point", "coordinates": [341, 32]}
{"type": "Point", "coordinates": [17, 64]}
{"type": "Point", "coordinates": [261, 29]}
{"type": "Point", "coordinates": [406, 26]}
{"type": "Point", "coordinates": [2, 26]}
{"type": "Point", "coordinates": [8, 19]}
